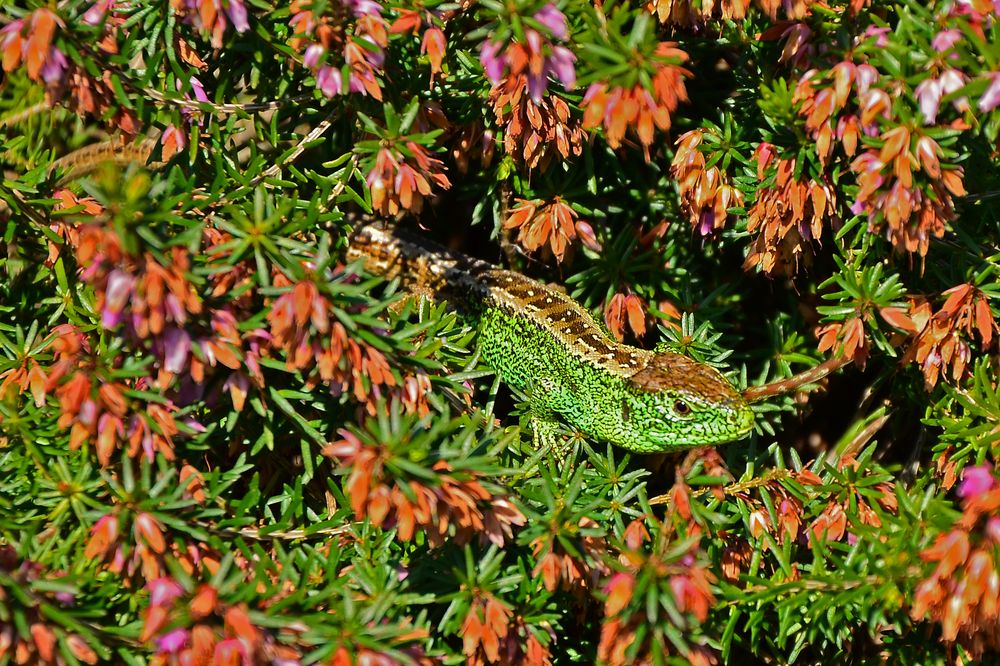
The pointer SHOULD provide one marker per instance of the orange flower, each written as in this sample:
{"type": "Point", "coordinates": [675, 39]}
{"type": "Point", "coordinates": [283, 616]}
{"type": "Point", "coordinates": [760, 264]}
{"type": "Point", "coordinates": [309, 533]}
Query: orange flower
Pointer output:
{"type": "Point", "coordinates": [680, 576]}
{"type": "Point", "coordinates": [942, 339]}
{"type": "Point", "coordinates": [910, 212]}
{"type": "Point", "coordinates": [829, 525]}
{"type": "Point", "coordinates": [29, 40]}
{"type": "Point", "coordinates": [561, 569]}
{"type": "Point", "coordinates": [303, 327]}
{"type": "Point", "coordinates": [706, 194]}
{"type": "Point", "coordinates": [962, 593]}
{"type": "Point", "coordinates": [553, 223]}
{"type": "Point", "coordinates": [361, 46]}
{"type": "Point", "coordinates": [433, 44]}
{"type": "Point", "coordinates": [787, 217]}
{"type": "Point", "coordinates": [847, 339]}
{"type": "Point", "coordinates": [619, 110]}
{"type": "Point", "coordinates": [213, 16]}
{"type": "Point", "coordinates": [399, 180]}
{"type": "Point", "coordinates": [95, 410]}
{"type": "Point", "coordinates": [624, 308]}
{"type": "Point", "coordinates": [485, 625]}
{"type": "Point", "coordinates": [823, 96]}
{"type": "Point", "coordinates": [447, 507]}
{"type": "Point", "coordinates": [29, 637]}
{"type": "Point", "coordinates": [534, 131]}
{"type": "Point", "coordinates": [691, 13]}
{"type": "Point", "coordinates": [215, 633]}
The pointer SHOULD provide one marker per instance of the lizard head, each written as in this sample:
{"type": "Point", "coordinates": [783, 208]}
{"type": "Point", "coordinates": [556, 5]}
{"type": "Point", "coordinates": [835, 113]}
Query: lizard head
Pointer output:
{"type": "Point", "coordinates": [675, 402]}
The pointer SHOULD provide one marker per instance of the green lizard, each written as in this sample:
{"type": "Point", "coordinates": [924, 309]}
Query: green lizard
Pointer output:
{"type": "Point", "coordinates": [542, 342]}
{"type": "Point", "coordinates": [547, 345]}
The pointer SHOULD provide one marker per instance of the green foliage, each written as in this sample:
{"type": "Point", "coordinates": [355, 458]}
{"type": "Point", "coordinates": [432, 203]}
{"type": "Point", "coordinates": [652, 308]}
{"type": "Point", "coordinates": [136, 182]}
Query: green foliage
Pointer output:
{"type": "Point", "coordinates": [219, 436]}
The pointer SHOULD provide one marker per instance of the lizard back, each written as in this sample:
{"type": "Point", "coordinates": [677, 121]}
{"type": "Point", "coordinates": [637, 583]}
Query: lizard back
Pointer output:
{"type": "Point", "coordinates": [475, 284]}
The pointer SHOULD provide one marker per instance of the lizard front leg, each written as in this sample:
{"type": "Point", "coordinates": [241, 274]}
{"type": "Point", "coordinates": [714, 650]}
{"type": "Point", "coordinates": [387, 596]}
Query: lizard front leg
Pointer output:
{"type": "Point", "coordinates": [543, 396]}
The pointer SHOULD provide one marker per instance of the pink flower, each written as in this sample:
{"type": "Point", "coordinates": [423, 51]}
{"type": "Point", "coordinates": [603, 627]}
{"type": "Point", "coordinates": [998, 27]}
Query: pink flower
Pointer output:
{"type": "Point", "coordinates": [116, 295]}
{"type": "Point", "coordinates": [880, 35]}
{"type": "Point", "coordinates": [553, 19]}
{"type": "Point", "coordinates": [173, 641]}
{"type": "Point", "coordinates": [173, 141]}
{"type": "Point", "coordinates": [945, 39]}
{"type": "Point", "coordinates": [991, 98]}
{"type": "Point", "coordinates": [329, 80]}
{"type": "Point", "coordinates": [561, 65]}
{"type": "Point", "coordinates": [163, 591]}
{"type": "Point", "coordinates": [237, 13]}
{"type": "Point", "coordinates": [95, 15]}
{"type": "Point", "coordinates": [314, 53]}
{"type": "Point", "coordinates": [54, 66]}
{"type": "Point", "coordinates": [12, 28]}
{"type": "Point", "coordinates": [976, 481]}
{"type": "Point", "coordinates": [198, 90]}
{"type": "Point", "coordinates": [930, 91]}
{"type": "Point", "coordinates": [928, 94]}
{"type": "Point", "coordinates": [364, 7]}
{"type": "Point", "coordinates": [176, 348]}
{"type": "Point", "coordinates": [864, 76]}
{"type": "Point", "coordinates": [230, 651]}
{"type": "Point", "coordinates": [993, 529]}
{"type": "Point", "coordinates": [493, 60]}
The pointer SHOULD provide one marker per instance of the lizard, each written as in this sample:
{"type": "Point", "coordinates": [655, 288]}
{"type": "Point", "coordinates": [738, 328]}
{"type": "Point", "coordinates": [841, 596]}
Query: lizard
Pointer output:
{"type": "Point", "coordinates": [541, 342]}
{"type": "Point", "coordinates": [548, 346]}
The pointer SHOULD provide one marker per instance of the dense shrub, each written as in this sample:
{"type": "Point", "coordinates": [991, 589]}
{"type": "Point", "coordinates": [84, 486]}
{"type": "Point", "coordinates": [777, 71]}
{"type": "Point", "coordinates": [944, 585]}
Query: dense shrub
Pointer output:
{"type": "Point", "coordinates": [219, 444]}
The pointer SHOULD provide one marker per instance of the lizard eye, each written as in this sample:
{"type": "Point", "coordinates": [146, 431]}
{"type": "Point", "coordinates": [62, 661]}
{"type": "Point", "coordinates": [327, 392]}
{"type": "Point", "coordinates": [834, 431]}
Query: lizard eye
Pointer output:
{"type": "Point", "coordinates": [681, 408]}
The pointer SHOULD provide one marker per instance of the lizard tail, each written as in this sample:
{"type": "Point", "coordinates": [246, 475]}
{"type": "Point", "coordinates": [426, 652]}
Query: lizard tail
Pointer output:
{"type": "Point", "coordinates": [84, 160]}
{"type": "Point", "coordinates": [419, 265]}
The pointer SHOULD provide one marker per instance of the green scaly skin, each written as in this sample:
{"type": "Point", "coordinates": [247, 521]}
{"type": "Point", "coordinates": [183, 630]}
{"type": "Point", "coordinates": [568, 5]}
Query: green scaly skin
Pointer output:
{"type": "Point", "coordinates": [547, 345]}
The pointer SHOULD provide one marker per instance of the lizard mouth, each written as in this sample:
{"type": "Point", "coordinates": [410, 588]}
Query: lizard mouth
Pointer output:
{"type": "Point", "coordinates": [736, 425]}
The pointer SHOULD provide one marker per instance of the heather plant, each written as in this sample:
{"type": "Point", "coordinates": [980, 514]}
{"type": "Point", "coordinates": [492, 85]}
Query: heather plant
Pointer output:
{"type": "Point", "coordinates": [223, 443]}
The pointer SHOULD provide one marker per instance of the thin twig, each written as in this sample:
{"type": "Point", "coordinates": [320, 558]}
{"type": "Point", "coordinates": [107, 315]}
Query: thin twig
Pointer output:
{"type": "Point", "coordinates": [24, 114]}
{"type": "Point", "coordinates": [300, 147]}
{"type": "Point", "coordinates": [289, 535]}
{"type": "Point", "coordinates": [732, 489]}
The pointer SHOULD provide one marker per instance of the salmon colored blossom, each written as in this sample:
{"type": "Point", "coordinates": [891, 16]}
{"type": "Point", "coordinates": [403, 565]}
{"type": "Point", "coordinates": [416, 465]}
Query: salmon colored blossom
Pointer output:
{"type": "Point", "coordinates": [349, 37]}
{"type": "Point", "coordinates": [535, 130]}
{"type": "Point", "coordinates": [788, 216]}
{"type": "Point", "coordinates": [136, 545]}
{"type": "Point", "coordinates": [549, 225]}
{"type": "Point", "coordinates": [662, 571]}
{"type": "Point", "coordinates": [941, 339]}
{"type": "Point", "coordinates": [213, 16]}
{"type": "Point", "coordinates": [28, 41]}
{"type": "Point", "coordinates": [691, 13]}
{"type": "Point", "coordinates": [401, 178]}
{"type": "Point", "coordinates": [453, 505]}
{"type": "Point", "coordinates": [31, 636]}
{"type": "Point", "coordinates": [625, 309]}
{"type": "Point", "coordinates": [909, 209]}
{"type": "Point", "coordinates": [707, 194]}
{"type": "Point", "coordinates": [536, 59]}
{"type": "Point", "coordinates": [962, 591]}
{"type": "Point", "coordinates": [210, 632]}
{"type": "Point", "coordinates": [638, 109]}
{"type": "Point", "coordinates": [562, 569]}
